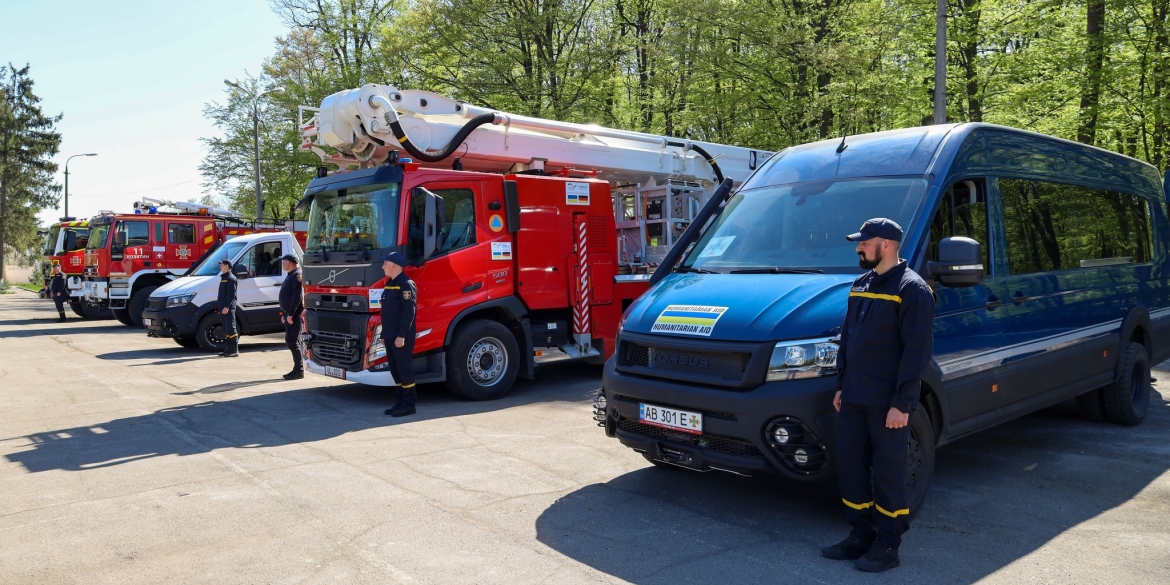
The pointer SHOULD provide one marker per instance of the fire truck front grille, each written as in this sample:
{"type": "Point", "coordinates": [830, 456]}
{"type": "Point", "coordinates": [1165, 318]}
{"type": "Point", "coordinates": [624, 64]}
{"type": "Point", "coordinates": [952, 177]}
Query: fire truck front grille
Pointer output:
{"type": "Point", "coordinates": [727, 368]}
{"type": "Point", "coordinates": [714, 442]}
{"type": "Point", "coordinates": [347, 324]}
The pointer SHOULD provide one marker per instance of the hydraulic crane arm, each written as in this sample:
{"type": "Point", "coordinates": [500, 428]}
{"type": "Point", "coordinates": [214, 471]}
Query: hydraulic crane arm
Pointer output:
{"type": "Point", "coordinates": [365, 125]}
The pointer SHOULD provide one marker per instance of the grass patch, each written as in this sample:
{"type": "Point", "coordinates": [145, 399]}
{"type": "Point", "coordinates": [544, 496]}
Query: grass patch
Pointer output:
{"type": "Point", "coordinates": [29, 286]}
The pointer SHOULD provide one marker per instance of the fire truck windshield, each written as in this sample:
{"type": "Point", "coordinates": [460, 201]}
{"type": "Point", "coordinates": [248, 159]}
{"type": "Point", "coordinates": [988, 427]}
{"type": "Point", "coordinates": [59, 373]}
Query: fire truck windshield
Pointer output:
{"type": "Point", "coordinates": [51, 240]}
{"type": "Point", "coordinates": [354, 219]}
{"type": "Point", "coordinates": [97, 236]}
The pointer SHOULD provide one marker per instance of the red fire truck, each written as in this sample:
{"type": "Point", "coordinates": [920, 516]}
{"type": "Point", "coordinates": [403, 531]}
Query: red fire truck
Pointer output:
{"type": "Point", "coordinates": [128, 256]}
{"type": "Point", "coordinates": [65, 245]}
{"type": "Point", "coordinates": [524, 234]}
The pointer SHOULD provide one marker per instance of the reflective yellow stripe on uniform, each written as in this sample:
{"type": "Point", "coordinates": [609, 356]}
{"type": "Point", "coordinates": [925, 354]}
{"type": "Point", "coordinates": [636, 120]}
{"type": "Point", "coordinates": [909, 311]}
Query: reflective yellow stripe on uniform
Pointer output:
{"type": "Point", "coordinates": [393, 288]}
{"type": "Point", "coordinates": [408, 386]}
{"type": "Point", "coordinates": [895, 298]}
{"type": "Point", "coordinates": [857, 506]}
{"type": "Point", "coordinates": [894, 514]}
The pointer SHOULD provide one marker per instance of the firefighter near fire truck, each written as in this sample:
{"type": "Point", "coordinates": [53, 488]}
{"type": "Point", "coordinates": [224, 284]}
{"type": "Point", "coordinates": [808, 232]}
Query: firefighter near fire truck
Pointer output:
{"type": "Point", "coordinates": [59, 291]}
{"type": "Point", "coordinates": [291, 308]}
{"type": "Point", "coordinates": [399, 309]}
{"type": "Point", "coordinates": [226, 301]}
{"type": "Point", "coordinates": [886, 344]}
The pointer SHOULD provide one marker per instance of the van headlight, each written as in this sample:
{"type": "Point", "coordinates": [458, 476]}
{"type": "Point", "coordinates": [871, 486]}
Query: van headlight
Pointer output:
{"type": "Point", "coordinates": [794, 360]}
{"type": "Point", "coordinates": [378, 347]}
{"type": "Point", "coordinates": [179, 300]}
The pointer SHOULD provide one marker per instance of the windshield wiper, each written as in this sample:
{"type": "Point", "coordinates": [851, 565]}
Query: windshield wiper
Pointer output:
{"type": "Point", "coordinates": [696, 270]}
{"type": "Point", "coordinates": [777, 270]}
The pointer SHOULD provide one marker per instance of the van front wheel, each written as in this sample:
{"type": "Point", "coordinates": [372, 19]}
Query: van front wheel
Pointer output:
{"type": "Point", "coordinates": [1127, 398]}
{"type": "Point", "coordinates": [919, 459]}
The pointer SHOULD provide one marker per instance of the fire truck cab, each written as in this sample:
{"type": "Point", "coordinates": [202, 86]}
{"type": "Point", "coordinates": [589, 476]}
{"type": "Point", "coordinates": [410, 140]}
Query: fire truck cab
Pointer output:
{"type": "Point", "coordinates": [65, 246]}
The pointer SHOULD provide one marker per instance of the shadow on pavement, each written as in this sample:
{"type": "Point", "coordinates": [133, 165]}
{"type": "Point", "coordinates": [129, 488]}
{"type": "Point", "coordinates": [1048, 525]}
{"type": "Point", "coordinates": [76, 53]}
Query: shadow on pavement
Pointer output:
{"type": "Point", "coordinates": [71, 327]}
{"type": "Point", "coordinates": [996, 497]}
{"type": "Point", "coordinates": [271, 420]}
{"type": "Point", "coordinates": [174, 351]}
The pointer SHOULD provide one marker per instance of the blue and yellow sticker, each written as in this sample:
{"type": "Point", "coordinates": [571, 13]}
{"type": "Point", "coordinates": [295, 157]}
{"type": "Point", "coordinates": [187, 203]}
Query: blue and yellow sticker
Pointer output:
{"type": "Point", "coordinates": [496, 223]}
{"type": "Point", "coordinates": [688, 320]}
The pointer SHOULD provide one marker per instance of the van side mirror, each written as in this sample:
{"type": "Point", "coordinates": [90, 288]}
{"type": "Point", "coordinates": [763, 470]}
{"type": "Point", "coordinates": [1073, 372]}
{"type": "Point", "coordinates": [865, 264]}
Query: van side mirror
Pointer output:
{"type": "Point", "coordinates": [240, 271]}
{"type": "Point", "coordinates": [120, 238]}
{"type": "Point", "coordinates": [960, 262]}
{"type": "Point", "coordinates": [70, 241]}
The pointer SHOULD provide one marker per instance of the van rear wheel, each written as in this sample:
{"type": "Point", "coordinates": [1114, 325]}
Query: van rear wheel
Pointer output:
{"type": "Point", "coordinates": [919, 459]}
{"type": "Point", "coordinates": [1127, 398]}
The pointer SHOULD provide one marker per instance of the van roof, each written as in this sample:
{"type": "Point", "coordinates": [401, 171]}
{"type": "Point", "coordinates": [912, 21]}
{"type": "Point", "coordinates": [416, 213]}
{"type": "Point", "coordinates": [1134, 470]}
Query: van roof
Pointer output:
{"type": "Point", "coordinates": [913, 151]}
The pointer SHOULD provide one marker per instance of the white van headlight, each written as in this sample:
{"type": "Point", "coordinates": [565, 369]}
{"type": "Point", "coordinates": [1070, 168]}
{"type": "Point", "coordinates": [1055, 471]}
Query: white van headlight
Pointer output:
{"type": "Point", "coordinates": [794, 360]}
{"type": "Point", "coordinates": [179, 300]}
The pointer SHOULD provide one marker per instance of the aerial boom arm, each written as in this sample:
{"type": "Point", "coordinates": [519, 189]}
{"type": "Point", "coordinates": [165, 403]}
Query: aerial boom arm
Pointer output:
{"type": "Point", "coordinates": [364, 125]}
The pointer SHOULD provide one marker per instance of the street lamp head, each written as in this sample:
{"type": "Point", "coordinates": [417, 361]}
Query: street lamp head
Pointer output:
{"type": "Point", "coordinates": [232, 84]}
{"type": "Point", "coordinates": [90, 154]}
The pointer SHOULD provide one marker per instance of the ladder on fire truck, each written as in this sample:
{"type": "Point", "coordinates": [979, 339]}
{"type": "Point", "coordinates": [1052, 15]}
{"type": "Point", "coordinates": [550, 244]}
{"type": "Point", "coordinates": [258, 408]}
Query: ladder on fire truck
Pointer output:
{"type": "Point", "coordinates": [659, 183]}
{"type": "Point", "coordinates": [226, 217]}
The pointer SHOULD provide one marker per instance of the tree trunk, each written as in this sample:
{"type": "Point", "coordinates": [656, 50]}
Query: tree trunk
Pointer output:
{"type": "Point", "coordinates": [1160, 89]}
{"type": "Point", "coordinates": [971, 13]}
{"type": "Point", "coordinates": [1094, 65]}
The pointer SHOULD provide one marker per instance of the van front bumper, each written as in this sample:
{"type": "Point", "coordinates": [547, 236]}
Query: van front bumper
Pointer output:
{"type": "Point", "coordinates": [737, 425]}
{"type": "Point", "coordinates": [171, 322]}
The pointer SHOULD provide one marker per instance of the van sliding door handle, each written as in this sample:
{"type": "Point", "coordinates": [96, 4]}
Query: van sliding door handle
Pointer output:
{"type": "Point", "coordinates": [993, 303]}
{"type": "Point", "coordinates": [1020, 298]}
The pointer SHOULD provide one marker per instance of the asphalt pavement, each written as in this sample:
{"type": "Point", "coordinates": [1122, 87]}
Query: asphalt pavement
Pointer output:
{"type": "Point", "coordinates": [126, 459]}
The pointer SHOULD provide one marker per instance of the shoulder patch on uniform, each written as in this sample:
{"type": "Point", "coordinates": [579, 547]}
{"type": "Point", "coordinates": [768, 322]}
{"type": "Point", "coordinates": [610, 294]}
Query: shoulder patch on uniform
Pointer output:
{"type": "Point", "coordinates": [406, 295]}
{"type": "Point", "coordinates": [298, 277]}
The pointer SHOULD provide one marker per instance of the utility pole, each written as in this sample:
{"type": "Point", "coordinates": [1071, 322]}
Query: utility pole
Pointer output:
{"type": "Point", "coordinates": [940, 64]}
{"type": "Point", "coordinates": [256, 138]}
{"type": "Point", "coordinates": [67, 179]}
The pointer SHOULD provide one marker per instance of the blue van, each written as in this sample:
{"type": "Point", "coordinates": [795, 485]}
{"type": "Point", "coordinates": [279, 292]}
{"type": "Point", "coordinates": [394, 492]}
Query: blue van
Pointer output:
{"type": "Point", "coordinates": [1048, 262]}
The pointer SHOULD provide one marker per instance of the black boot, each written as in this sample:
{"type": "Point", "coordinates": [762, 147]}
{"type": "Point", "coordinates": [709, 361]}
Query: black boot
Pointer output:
{"type": "Point", "coordinates": [232, 350]}
{"type": "Point", "coordinates": [847, 550]}
{"type": "Point", "coordinates": [61, 317]}
{"type": "Point", "coordinates": [397, 405]}
{"type": "Point", "coordinates": [879, 558]}
{"type": "Point", "coordinates": [296, 374]}
{"type": "Point", "coordinates": [404, 409]}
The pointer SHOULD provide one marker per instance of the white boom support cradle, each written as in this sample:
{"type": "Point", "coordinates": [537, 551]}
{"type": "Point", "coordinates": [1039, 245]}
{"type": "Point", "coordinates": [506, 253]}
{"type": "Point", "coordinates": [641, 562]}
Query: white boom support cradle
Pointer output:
{"type": "Point", "coordinates": [358, 124]}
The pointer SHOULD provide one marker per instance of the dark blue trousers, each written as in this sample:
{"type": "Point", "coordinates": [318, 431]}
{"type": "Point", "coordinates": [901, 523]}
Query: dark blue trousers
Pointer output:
{"type": "Point", "coordinates": [401, 361]}
{"type": "Point", "coordinates": [871, 473]}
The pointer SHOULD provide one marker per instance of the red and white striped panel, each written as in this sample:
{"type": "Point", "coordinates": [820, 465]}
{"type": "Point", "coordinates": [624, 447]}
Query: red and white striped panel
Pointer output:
{"type": "Point", "coordinates": [581, 309]}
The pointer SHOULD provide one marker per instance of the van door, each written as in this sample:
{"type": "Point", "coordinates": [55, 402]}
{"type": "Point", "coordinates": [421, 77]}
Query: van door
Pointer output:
{"type": "Point", "coordinates": [969, 322]}
{"type": "Point", "coordinates": [1046, 226]}
{"type": "Point", "coordinates": [258, 295]}
{"type": "Point", "coordinates": [455, 276]}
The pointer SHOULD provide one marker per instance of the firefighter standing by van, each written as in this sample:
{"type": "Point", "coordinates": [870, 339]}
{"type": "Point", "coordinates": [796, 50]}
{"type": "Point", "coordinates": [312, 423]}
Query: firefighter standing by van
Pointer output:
{"type": "Point", "coordinates": [226, 301]}
{"type": "Point", "coordinates": [59, 292]}
{"type": "Point", "coordinates": [399, 306]}
{"type": "Point", "coordinates": [886, 344]}
{"type": "Point", "coordinates": [292, 306]}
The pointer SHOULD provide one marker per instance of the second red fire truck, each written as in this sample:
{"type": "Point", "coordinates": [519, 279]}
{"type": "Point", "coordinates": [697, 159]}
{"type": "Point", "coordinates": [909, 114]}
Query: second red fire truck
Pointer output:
{"type": "Point", "coordinates": [524, 234]}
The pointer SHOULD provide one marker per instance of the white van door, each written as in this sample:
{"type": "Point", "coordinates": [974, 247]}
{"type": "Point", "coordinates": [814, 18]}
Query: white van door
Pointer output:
{"type": "Point", "coordinates": [258, 296]}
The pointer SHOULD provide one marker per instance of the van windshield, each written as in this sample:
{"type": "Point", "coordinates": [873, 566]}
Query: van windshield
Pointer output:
{"type": "Point", "coordinates": [802, 225]}
{"type": "Point", "coordinates": [210, 264]}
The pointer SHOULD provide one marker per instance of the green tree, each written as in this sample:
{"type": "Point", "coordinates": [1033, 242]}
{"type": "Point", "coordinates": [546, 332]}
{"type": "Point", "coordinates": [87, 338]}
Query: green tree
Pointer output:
{"type": "Point", "coordinates": [28, 141]}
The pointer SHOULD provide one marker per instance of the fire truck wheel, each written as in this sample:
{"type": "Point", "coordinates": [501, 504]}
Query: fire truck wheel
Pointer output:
{"type": "Point", "coordinates": [123, 316]}
{"type": "Point", "coordinates": [94, 312]}
{"type": "Point", "coordinates": [78, 308]}
{"type": "Point", "coordinates": [137, 304]}
{"type": "Point", "coordinates": [483, 361]}
{"type": "Point", "coordinates": [209, 334]}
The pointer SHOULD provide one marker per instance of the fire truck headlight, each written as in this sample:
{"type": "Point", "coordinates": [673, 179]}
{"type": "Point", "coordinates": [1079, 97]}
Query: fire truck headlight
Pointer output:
{"type": "Point", "coordinates": [378, 347]}
{"type": "Point", "coordinates": [179, 300]}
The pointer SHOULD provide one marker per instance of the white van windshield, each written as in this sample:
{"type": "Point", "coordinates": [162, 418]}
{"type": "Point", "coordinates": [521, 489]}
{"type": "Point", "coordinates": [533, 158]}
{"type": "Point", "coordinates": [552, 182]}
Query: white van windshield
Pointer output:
{"type": "Point", "coordinates": [802, 225]}
{"type": "Point", "coordinates": [210, 264]}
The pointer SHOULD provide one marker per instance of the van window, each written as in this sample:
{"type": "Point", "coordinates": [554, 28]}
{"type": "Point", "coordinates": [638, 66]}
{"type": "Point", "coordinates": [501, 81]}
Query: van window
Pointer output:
{"type": "Point", "coordinates": [263, 259]}
{"type": "Point", "coordinates": [1051, 226]}
{"type": "Point", "coordinates": [962, 212]}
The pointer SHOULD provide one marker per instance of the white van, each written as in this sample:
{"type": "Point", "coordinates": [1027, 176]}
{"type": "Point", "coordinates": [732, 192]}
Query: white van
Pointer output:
{"type": "Point", "coordinates": [185, 308]}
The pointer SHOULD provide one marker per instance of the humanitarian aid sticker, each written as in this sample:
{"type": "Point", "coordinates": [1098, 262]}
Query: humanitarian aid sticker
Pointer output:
{"type": "Point", "coordinates": [496, 223]}
{"type": "Point", "coordinates": [688, 320]}
{"type": "Point", "coordinates": [501, 250]}
{"type": "Point", "coordinates": [376, 298]}
{"type": "Point", "coordinates": [717, 246]}
{"type": "Point", "coordinates": [577, 193]}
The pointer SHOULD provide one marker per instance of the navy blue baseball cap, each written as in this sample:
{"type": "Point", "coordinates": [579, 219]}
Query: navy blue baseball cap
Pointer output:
{"type": "Point", "coordinates": [396, 258]}
{"type": "Point", "coordinates": [291, 258]}
{"type": "Point", "coordinates": [878, 227]}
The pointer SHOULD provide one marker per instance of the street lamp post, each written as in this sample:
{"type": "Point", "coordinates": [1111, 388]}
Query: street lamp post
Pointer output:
{"type": "Point", "coordinates": [67, 178]}
{"type": "Point", "coordinates": [256, 138]}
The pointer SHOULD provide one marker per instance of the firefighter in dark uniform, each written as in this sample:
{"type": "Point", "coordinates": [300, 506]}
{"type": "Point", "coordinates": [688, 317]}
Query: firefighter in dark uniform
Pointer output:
{"type": "Point", "coordinates": [291, 308]}
{"type": "Point", "coordinates": [399, 304]}
{"type": "Point", "coordinates": [886, 344]}
{"type": "Point", "coordinates": [59, 292]}
{"type": "Point", "coordinates": [226, 302]}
